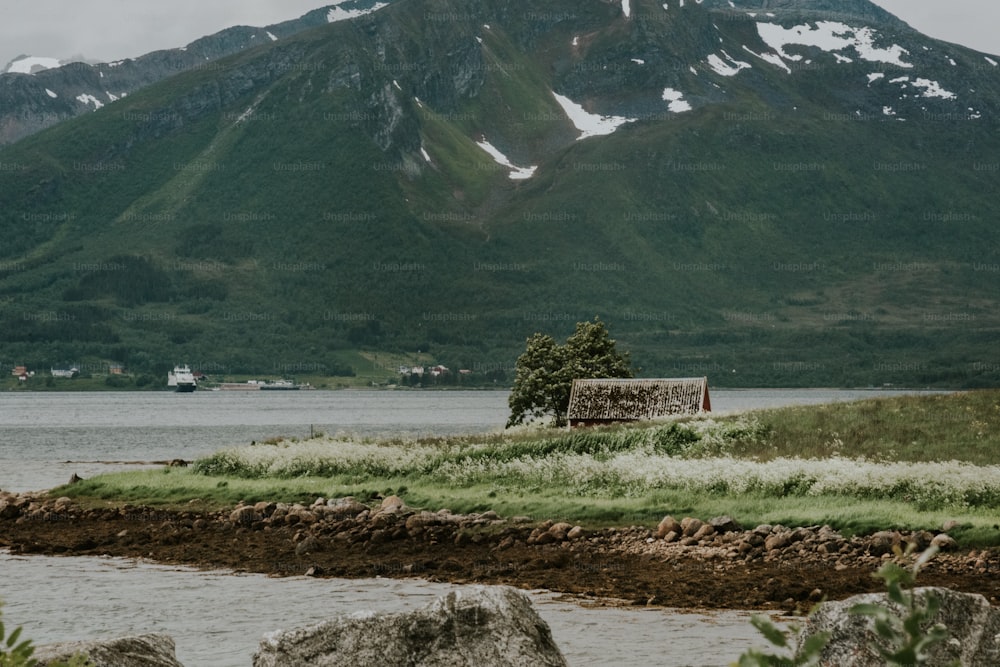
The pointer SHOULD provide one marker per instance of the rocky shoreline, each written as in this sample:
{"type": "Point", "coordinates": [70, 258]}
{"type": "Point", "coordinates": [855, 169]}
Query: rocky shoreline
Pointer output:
{"type": "Point", "coordinates": [683, 563]}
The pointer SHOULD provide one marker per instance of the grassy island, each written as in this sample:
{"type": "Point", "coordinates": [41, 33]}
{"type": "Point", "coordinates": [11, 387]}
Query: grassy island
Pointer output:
{"type": "Point", "coordinates": [909, 462]}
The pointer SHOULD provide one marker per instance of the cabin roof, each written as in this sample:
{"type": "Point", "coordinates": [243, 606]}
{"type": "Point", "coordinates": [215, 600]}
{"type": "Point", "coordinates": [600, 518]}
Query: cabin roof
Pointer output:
{"type": "Point", "coordinates": [634, 399]}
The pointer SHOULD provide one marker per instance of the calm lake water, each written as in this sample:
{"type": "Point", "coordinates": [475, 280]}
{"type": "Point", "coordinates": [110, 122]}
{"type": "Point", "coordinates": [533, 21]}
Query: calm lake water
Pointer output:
{"type": "Point", "coordinates": [218, 618]}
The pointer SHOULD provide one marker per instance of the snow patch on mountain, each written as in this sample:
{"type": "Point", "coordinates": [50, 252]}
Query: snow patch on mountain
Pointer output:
{"type": "Point", "coordinates": [675, 100]}
{"type": "Point", "coordinates": [931, 88]}
{"type": "Point", "coordinates": [990, 61]}
{"type": "Point", "coordinates": [517, 173]}
{"type": "Point", "coordinates": [51, 94]}
{"type": "Point", "coordinates": [772, 58]}
{"type": "Point", "coordinates": [271, 36]}
{"type": "Point", "coordinates": [626, 8]}
{"type": "Point", "coordinates": [830, 36]}
{"type": "Point", "coordinates": [89, 99]}
{"type": "Point", "coordinates": [338, 13]}
{"type": "Point", "coordinates": [32, 64]}
{"type": "Point", "coordinates": [732, 68]}
{"type": "Point", "coordinates": [589, 124]}
{"type": "Point", "coordinates": [934, 89]}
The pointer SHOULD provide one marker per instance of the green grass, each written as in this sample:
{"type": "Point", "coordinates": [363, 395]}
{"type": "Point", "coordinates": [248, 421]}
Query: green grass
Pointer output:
{"type": "Point", "coordinates": [186, 490]}
{"type": "Point", "coordinates": [178, 487]}
{"type": "Point", "coordinates": [747, 466]}
{"type": "Point", "coordinates": [960, 427]}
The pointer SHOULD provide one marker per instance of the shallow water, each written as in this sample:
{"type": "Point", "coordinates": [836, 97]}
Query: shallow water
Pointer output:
{"type": "Point", "coordinates": [218, 618]}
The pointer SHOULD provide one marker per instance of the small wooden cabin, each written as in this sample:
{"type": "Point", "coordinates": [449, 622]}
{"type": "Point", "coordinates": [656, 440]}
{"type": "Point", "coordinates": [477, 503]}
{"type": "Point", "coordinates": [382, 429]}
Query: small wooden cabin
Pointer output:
{"type": "Point", "coordinates": [607, 401]}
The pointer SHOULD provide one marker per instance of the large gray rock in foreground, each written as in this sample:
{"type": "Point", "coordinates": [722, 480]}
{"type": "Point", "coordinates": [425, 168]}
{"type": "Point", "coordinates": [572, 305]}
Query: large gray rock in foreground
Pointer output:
{"type": "Point", "coordinates": [151, 650]}
{"type": "Point", "coordinates": [478, 626]}
{"type": "Point", "coordinates": [973, 627]}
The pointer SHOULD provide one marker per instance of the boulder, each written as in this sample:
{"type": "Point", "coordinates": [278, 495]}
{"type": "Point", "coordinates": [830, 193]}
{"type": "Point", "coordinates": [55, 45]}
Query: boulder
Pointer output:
{"type": "Point", "coordinates": [725, 524]}
{"type": "Point", "coordinates": [668, 525]}
{"type": "Point", "coordinates": [475, 626]}
{"type": "Point", "coordinates": [778, 541]}
{"type": "Point", "coordinates": [973, 627]}
{"type": "Point", "coordinates": [944, 542]}
{"type": "Point", "coordinates": [153, 650]}
{"type": "Point", "coordinates": [392, 504]}
{"type": "Point", "coordinates": [883, 542]}
{"type": "Point", "coordinates": [345, 507]}
{"type": "Point", "coordinates": [264, 508]}
{"type": "Point", "coordinates": [424, 519]}
{"type": "Point", "coordinates": [690, 526]}
{"type": "Point", "coordinates": [9, 510]}
{"type": "Point", "coordinates": [245, 515]}
{"type": "Point", "coordinates": [706, 530]}
{"type": "Point", "coordinates": [560, 530]}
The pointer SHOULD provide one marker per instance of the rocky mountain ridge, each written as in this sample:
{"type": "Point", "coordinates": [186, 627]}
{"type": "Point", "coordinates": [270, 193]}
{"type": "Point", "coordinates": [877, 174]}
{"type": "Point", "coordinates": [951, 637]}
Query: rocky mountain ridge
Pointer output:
{"type": "Point", "coordinates": [42, 92]}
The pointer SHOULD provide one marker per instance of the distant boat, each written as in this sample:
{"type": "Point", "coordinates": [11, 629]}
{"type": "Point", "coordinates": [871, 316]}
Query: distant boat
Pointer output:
{"type": "Point", "coordinates": [249, 385]}
{"type": "Point", "coordinates": [280, 385]}
{"type": "Point", "coordinates": [182, 379]}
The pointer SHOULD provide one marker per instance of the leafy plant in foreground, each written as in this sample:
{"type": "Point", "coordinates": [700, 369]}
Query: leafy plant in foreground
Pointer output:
{"type": "Point", "coordinates": [907, 639]}
{"type": "Point", "coordinates": [14, 653]}
{"type": "Point", "coordinates": [806, 656]}
{"type": "Point", "coordinates": [905, 634]}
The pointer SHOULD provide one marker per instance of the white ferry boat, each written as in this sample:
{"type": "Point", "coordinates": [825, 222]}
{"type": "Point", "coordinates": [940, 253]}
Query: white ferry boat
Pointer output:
{"type": "Point", "coordinates": [182, 379]}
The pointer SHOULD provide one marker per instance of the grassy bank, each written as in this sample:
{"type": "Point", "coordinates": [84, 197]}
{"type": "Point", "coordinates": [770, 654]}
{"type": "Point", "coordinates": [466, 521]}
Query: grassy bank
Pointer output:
{"type": "Point", "coordinates": [904, 462]}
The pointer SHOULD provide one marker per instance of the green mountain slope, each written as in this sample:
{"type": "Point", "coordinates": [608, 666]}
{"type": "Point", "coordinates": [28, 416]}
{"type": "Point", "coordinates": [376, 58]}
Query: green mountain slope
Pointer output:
{"type": "Point", "coordinates": [772, 214]}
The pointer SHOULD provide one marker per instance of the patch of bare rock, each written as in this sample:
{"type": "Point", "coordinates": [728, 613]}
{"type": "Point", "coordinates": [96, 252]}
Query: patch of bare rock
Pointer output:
{"type": "Point", "coordinates": [476, 626]}
{"type": "Point", "coordinates": [348, 520]}
{"type": "Point", "coordinates": [153, 650]}
{"type": "Point", "coordinates": [722, 538]}
{"type": "Point", "coordinates": [973, 628]}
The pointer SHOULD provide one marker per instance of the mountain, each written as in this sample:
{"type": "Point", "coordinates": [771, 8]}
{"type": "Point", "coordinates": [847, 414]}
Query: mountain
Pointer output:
{"type": "Point", "coordinates": [58, 90]}
{"type": "Point", "coordinates": [768, 193]}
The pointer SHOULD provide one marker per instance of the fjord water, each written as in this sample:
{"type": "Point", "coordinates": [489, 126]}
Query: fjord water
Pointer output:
{"type": "Point", "coordinates": [47, 437]}
{"type": "Point", "coordinates": [217, 618]}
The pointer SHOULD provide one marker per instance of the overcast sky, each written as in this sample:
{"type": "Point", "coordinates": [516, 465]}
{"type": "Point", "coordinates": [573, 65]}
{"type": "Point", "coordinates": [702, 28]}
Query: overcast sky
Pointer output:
{"type": "Point", "coordinates": [108, 30]}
